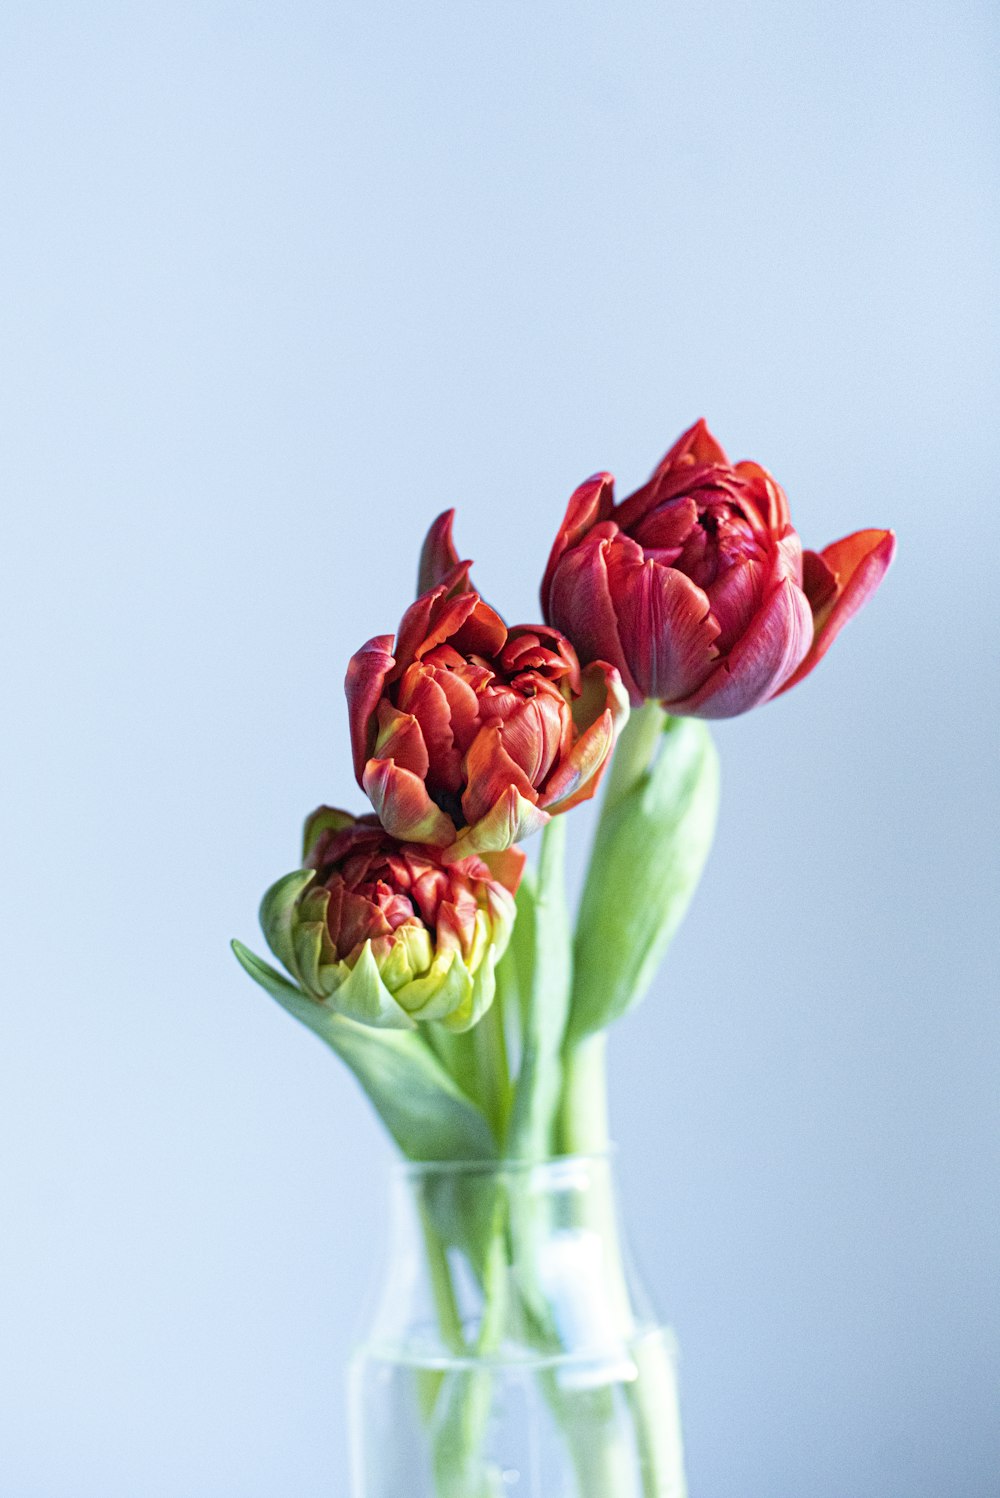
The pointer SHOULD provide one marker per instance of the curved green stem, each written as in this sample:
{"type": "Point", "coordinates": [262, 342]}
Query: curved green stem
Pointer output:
{"type": "Point", "coordinates": [634, 752]}
{"type": "Point", "coordinates": [536, 1097]}
{"type": "Point", "coordinates": [583, 1119]}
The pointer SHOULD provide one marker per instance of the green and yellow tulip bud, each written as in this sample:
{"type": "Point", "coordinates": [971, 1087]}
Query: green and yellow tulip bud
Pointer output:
{"type": "Point", "coordinates": [386, 934]}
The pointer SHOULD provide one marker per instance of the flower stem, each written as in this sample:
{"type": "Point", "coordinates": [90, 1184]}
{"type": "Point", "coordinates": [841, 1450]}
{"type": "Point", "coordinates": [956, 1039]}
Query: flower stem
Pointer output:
{"type": "Point", "coordinates": [634, 752]}
{"type": "Point", "coordinates": [583, 1121]}
{"type": "Point", "coordinates": [536, 1097]}
{"type": "Point", "coordinates": [442, 1288]}
{"type": "Point", "coordinates": [492, 1072]}
{"type": "Point", "coordinates": [584, 1128]}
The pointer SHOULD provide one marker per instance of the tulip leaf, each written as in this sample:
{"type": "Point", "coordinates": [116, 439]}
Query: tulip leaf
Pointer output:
{"type": "Point", "coordinates": [543, 961]}
{"type": "Point", "coordinates": [276, 985]}
{"type": "Point", "coordinates": [426, 1113]}
{"type": "Point", "coordinates": [651, 845]}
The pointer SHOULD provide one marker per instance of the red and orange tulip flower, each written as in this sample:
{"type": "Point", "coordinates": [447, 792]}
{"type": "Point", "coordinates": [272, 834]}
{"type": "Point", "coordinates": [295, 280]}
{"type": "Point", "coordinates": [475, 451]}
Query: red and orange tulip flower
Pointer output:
{"type": "Point", "coordinates": [468, 735]}
{"type": "Point", "coordinates": [696, 587]}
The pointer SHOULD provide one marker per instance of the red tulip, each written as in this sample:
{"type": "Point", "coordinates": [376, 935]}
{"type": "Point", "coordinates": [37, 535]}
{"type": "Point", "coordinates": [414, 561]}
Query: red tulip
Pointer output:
{"type": "Point", "coordinates": [696, 587]}
{"type": "Point", "coordinates": [386, 934]}
{"type": "Point", "coordinates": [466, 734]}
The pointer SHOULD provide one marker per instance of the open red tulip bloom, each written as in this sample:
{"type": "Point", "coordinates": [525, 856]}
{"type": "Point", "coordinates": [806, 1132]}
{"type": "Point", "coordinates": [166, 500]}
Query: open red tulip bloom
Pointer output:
{"type": "Point", "coordinates": [468, 735]}
{"type": "Point", "coordinates": [696, 587]}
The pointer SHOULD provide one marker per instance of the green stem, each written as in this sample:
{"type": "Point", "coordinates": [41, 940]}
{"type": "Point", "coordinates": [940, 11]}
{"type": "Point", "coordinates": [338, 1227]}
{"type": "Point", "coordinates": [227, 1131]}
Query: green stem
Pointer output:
{"type": "Point", "coordinates": [604, 1465]}
{"type": "Point", "coordinates": [583, 1123]}
{"type": "Point", "coordinates": [634, 752]}
{"type": "Point", "coordinates": [465, 1402]}
{"type": "Point", "coordinates": [491, 1070]}
{"type": "Point", "coordinates": [584, 1128]}
{"type": "Point", "coordinates": [653, 1396]}
{"type": "Point", "coordinates": [476, 1060]}
{"type": "Point", "coordinates": [442, 1288]}
{"type": "Point", "coordinates": [536, 1098]}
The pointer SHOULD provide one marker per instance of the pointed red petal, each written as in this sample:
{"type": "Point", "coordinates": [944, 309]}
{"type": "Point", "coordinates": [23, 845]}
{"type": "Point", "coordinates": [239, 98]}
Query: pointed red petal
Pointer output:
{"type": "Point", "coordinates": [366, 674]}
{"type": "Point", "coordinates": [438, 555]}
{"type": "Point", "coordinates": [578, 776]}
{"type": "Point", "coordinates": [696, 445]}
{"type": "Point", "coordinates": [400, 739]}
{"type": "Point", "coordinates": [665, 624]}
{"type": "Point", "coordinates": [404, 808]}
{"type": "Point", "coordinates": [490, 773]}
{"type": "Point", "coordinates": [580, 603]}
{"type": "Point", "coordinates": [511, 819]}
{"type": "Point", "coordinates": [695, 448]}
{"type": "Point", "coordinates": [590, 504]}
{"type": "Point", "coordinates": [768, 497]}
{"type": "Point", "coordinates": [838, 581]}
{"type": "Point", "coordinates": [433, 618]}
{"type": "Point", "coordinates": [506, 866]}
{"type": "Point", "coordinates": [759, 663]}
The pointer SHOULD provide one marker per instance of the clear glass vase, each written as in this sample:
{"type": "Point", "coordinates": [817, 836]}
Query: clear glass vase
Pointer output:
{"type": "Point", "coordinates": [512, 1352]}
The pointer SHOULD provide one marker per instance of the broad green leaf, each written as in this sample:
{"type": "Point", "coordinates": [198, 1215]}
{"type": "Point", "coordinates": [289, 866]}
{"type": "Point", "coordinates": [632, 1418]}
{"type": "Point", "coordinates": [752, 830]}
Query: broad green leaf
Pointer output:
{"type": "Point", "coordinates": [426, 1113]}
{"type": "Point", "coordinates": [423, 1109]}
{"type": "Point", "coordinates": [651, 845]}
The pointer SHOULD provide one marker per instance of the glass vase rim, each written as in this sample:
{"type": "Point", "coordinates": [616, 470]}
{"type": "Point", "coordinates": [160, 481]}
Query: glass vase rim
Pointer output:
{"type": "Point", "coordinates": [499, 1165]}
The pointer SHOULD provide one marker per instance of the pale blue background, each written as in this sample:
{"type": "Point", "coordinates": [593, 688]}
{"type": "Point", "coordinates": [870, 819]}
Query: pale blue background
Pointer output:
{"type": "Point", "coordinates": [276, 284]}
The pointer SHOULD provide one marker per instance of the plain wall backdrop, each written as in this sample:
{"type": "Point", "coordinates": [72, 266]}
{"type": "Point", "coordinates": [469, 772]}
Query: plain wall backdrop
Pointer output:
{"type": "Point", "coordinates": [278, 283]}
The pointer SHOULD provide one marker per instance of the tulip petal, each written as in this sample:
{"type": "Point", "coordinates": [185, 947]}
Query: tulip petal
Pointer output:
{"type": "Point", "coordinates": [506, 865]}
{"type": "Point", "coordinates": [588, 506]}
{"type": "Point", "coordinates": [366, 674]}
{"type": "Point", "coordinates": [482, 633]}
{"type": "Point", "coordinates": [759, 663]}
{"type": "Point", "coordinates": [429, 621]}
{"type": "Point", "coordinates": [309, 953]}
{"type": "Point", "coordinates": [423, 696]}
{"type": "Point", "coordinates": [438, 555]}
{"type": "Point", "coordinates": [278, 913]}
{"type": "Point", "coordinates": [665, 623]}
{"type": "Point", "coordinates": [663, 532]}
{"type": "Point", "coordinates": [400, 738]}
{"type": "Point", "coordinates": [600, 690]}
{"type": "Point", "coordinates": [696, 445]}
{"type": "Point", "coordinates": [534, 647]}
{"type": "Point", "coordinates": [449, 613]}
{"type": "Point", "coordinates": [403, 806]}
{"type": "Point", "coordinates": [323, 819]}
{"type": "Point", "coordinates": [578, 776]}
{"type": "Point", "coordinates": [838, 581]}
{"type": "Point", "coordinates": [695, 448]}
{"type": "Point", "coordinates": [354, 919]}
{"type": "Point", "coordinates": [490, 772]}
{"type": "Point", "coordinates": [510, 820]}
{"type": "Point", "coordinates": [535, 733]}
{"type": "Point", "coordinates": [768, 496]}
{"type": "Point", "coordinates": [735, 598]}
{"type": "Point", "coordinates": [444, 989]}
{"type": "Point", "coordinates": [580, 603]}
{"type": "Point", "coordinates": [362, 996]}
{"type": "Point", "coordinates": [483, 990]}
{"type": "Point", "coordinates": [789, 559]}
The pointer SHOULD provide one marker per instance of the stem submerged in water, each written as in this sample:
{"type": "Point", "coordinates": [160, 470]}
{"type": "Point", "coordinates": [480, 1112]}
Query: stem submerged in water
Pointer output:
{"type": "Point", "coordinates": [559, 1103]}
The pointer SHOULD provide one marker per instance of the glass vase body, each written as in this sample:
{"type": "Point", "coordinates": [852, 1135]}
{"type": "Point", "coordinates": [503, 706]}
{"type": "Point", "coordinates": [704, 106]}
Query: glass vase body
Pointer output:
{"type": "Point", "coordinates": [512, 1353]}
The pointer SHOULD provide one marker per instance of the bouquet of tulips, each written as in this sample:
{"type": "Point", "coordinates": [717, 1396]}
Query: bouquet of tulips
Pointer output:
{"type": "Point", "coordinates": [413, 938]}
